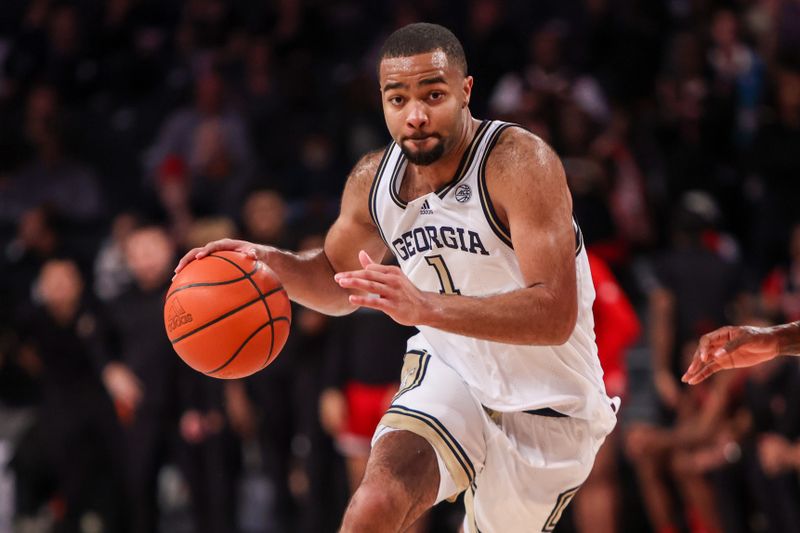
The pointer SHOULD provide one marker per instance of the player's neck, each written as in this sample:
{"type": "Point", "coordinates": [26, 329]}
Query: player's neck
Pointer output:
{"type": "Point", "coordinates": [438, 174]}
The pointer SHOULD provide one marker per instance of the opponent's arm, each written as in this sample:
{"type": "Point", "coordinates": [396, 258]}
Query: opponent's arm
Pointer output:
{"type": "Point", "coordinates": [529, 191]}
{"type": "Point", "coordinates": [739, 347]}
{"type": "Point", "coordinates": [308, 276]}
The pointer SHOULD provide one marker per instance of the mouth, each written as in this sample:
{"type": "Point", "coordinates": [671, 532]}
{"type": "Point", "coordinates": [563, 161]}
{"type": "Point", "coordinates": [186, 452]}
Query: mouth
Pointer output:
{"type": "Point", "coordinates": [419, 139]}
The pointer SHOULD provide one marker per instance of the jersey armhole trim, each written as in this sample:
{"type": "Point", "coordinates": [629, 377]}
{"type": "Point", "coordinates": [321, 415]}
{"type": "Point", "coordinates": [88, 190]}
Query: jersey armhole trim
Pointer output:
{"type": "Point", "coordinates": [466, 161]}
{"type": "Point", "coordinates": [578, 235]}
{"type": "Point", "coordinates": [373, 192]}
{"type": "Point", "coordinates": [499, 229]}
{"type": "Point", "coordinates": [393, 182]}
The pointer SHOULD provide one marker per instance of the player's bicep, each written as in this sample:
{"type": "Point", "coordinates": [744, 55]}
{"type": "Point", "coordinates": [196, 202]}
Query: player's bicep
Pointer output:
{"type": "Point", "coordinates": [346, 238]}
{"type": "Point", "coordinates": [531, 188]}
{"type": "Point", "coordinates": [545, 250]}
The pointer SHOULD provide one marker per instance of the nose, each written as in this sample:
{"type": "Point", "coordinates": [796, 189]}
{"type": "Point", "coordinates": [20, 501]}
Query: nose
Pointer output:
{"type": "Point", "coordinates": [417, 116]}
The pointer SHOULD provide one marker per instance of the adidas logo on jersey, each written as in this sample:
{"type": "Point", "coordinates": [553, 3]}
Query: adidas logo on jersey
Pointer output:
{"type": "Point", "coordinates": [426, 208]}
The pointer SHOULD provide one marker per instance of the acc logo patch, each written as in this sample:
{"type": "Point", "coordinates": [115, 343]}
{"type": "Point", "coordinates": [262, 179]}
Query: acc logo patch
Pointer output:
{"type": "Point", "coordinates": [463, 193]}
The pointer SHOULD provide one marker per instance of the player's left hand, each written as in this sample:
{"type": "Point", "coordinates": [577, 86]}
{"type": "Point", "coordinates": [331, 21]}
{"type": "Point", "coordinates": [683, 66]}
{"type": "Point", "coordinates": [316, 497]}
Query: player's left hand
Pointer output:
{"type": "Point", "coordinates": [387, 289]}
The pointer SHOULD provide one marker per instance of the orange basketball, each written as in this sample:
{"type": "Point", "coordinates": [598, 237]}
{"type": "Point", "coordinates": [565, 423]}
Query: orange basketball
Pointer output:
{"type": "Point", "coordinates": [227, 315]}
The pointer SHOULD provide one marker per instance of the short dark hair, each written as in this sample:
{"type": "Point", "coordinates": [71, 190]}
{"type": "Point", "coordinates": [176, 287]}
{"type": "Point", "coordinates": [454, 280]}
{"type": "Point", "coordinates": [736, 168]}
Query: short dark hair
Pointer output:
{"type": "Point", "coordinates": [420, 38]}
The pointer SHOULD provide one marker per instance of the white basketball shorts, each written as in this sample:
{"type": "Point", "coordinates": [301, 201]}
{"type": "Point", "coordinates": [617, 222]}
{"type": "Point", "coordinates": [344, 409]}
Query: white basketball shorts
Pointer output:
{"type": "Point", "coordinates": [519, 470]}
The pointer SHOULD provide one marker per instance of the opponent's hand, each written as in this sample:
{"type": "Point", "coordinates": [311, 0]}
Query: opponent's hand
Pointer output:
{"type": "Point", "coordinates": [731, 347]}
{"type": "Point", "coordinates": [255, 251]}
{"type": "Point", "coordinates": [389, 290]}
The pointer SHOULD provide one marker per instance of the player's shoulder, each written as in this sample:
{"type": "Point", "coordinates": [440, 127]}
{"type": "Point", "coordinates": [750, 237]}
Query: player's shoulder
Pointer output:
{"type": "Point", "coordinates": [518, 151]}
{"type": "Point", "coordinates": [359, 182]}
{"type": "Point", "coordinates": [365, 169]}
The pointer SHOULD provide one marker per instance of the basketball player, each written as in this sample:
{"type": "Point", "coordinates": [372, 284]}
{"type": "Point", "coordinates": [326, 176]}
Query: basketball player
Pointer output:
{"type": "Point", "coordinates": [501, 392]}
{"type": "Point", "coordinates": [741, 346]}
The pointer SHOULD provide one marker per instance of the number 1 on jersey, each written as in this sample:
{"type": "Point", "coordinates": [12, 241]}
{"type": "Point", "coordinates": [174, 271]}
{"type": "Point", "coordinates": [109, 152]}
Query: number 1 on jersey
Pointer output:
{"type": "Point", "coordinates": [445, 279]}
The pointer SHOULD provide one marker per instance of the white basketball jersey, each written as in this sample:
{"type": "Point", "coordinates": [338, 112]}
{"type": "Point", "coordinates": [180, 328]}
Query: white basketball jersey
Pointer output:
{"type": "Point", "coordinates": [451, 241]}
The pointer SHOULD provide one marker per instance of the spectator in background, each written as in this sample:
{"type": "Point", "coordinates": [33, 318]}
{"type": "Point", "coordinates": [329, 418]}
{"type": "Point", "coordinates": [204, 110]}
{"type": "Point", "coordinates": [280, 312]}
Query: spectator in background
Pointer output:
{"type": "Point", "coordinates": [112, 276]}
{"type": "Point", "coordinates": [139, 369]}
{"type": "Point", "coordinates": [37, 239]}
{"type": "Point", "coordinates": [210, 424]}
{"type": "Point", "coordinates": [588, 182]}
{"type": "Point", "coordinates": [210, 141]}
{"type": "Point", "coordinates": [79, 430]}
{"type": "Point", "coordinates": [173, 190]}
{"type": "Point", "coordinates": [627, 199]}
{"type": "Point", "coordinates": [490, 39]}
{"type": "Point", "coordinates": [281, 402]}
{"type": "Point", "coordinates": [548, 77]}
{"type": "Point", "coordinates": [362, 361]}
{"type": "Point", "coordinates": [780, 291]}
{"type": "Point", "coordinates": [737, 77]}
{"type": "Point", "coordinates": [692, 455]}
{"type": "Point", "coordinates": [682, 94]}
{"type": "Point", "coordinates": [51, 178]}
{"type": "Point", "coordinates": [616, 328]}
{"type": "Point", "coordinates": [208, 226]}
{"type": "Point", "coordinates": [694, 286]}
{"type": "Point", "coordinates": [773, 401]}
{"type": "Point", "coordinates": [314, 174]}
{"type": "Point", "coordinates": [52, 49]}
{"type": "Point", "coordinates": [296, 457]}
{"type": "Point", "coordinates": [776, 166]}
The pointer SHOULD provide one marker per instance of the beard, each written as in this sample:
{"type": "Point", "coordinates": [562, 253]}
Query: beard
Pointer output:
{"type": "Point", "coordinates": [424, 157]}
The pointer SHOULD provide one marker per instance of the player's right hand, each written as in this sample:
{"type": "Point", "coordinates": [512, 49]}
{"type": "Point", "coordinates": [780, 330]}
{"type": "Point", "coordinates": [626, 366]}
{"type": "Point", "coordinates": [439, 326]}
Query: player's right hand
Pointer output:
{"type": "Point", "coordinates": [731, 347]}
{"type": "Point", "coordinates": [248, 248]}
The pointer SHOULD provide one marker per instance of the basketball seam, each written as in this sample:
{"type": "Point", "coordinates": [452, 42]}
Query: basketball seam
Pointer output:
{"type": "Point", "coordinates": [271, 322]}
{"type": "Point", "coordinates": [225, 315]}
{"type": "Point", "coordinates": [209, 284]}
{"type": "Point", "coordinates": [247, 340]}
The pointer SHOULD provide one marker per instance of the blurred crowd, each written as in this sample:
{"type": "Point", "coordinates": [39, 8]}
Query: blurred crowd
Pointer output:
{"type": "Point", "coordinates": [133, 130]}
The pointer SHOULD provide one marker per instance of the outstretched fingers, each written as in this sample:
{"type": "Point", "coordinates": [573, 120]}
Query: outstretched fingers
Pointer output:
{"type": "Point", "coordinates": [711, 343]}
{"type": "Point", "coordinates": [710, 349]}
{"type": "Point", "coordinates": [703, 372]}
{"type": "Point", "coordinates": [369, 280]}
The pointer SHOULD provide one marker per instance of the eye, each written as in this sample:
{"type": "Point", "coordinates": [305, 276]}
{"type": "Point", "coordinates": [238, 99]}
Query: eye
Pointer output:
{"type": "Point", "coordinates": [436, 95]}
{"type": "Point", "coordinates": [396, 100]}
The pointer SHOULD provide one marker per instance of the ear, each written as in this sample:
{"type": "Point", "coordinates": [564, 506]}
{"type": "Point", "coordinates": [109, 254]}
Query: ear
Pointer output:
{"type": "Point", "coordinates": [467, 88]}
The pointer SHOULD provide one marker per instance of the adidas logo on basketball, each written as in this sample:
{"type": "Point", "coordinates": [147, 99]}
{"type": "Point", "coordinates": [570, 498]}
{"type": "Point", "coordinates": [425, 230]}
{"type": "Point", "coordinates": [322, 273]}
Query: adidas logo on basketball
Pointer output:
{"type": "Point", "coordinates": [177, 316]}
{"type": "Point", "coordinates": [426, 208]}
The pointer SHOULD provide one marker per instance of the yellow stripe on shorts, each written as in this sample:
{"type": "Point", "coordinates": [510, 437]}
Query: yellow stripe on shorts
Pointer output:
{"type": "Point", "coordinates": [428, 427]}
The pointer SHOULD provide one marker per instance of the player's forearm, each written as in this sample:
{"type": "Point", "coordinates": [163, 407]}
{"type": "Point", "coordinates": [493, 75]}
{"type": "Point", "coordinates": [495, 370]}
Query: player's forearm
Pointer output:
{"type": "Point", "coordinates": [788, 336]}
{"type": "Point", "coordinates": [533, 316]}
{"type": "Point", "coordinates": [308, 279]}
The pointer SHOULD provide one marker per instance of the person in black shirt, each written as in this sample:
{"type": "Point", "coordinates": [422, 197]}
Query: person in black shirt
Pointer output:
{"type": "Point", "coordinates": [139, 369]}
{"type": "Point", "coordinates": [363, 358]}
{"type": "Point", "coordinates": [81, 437]}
